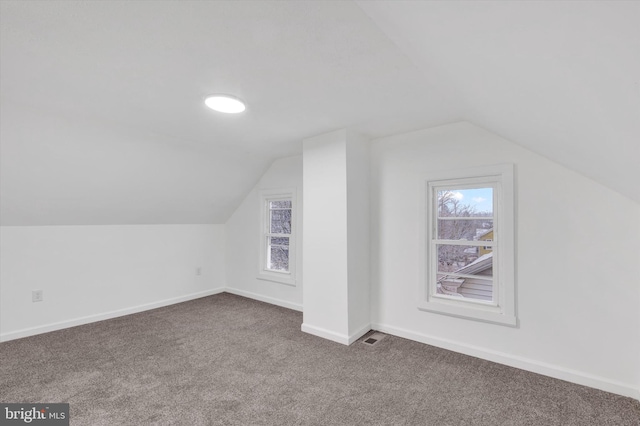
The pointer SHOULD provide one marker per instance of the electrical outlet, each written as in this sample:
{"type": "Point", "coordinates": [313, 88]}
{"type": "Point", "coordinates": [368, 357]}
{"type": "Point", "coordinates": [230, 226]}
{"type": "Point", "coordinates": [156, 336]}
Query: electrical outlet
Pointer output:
{"type": "Point", "coordinates": [36, 296]}
{"type": "Point", "coordinates": [198, 271]}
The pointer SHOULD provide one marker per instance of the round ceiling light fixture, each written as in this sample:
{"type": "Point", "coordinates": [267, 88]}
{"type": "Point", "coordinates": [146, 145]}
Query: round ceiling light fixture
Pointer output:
{"type": "Point", "coordinates": [225, 103]}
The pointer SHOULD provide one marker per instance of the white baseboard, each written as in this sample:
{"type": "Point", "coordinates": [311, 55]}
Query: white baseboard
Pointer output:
{"type": "Point", "coordinates": [534, 366]}
{"type": "Point", "coordinates": [266, 299]}
{"type": "Point", "coordinates": [105, 315]}
{"type": "Point", "coordinates": [26, 332]}
{"type": "Point", "coordinates": [325, 334]}
{"type": "Point", "coordinates": [546, 369]}
{"type": "Point", "coordinates": [333, 336]}
{"type": "Point", "coordinates": [358, 334]}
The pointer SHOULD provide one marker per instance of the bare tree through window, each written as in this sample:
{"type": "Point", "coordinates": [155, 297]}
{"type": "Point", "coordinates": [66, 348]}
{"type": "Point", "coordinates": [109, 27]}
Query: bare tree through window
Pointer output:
{"type": "Point", "coordinates": [459, 219]}
{"type": "Point", "coordinates": [279, 235]}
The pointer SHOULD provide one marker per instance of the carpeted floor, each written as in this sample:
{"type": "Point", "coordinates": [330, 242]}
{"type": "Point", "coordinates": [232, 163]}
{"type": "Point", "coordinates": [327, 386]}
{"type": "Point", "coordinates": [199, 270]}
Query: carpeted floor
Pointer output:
{"type": "Point", "coordinates": [227, 360]}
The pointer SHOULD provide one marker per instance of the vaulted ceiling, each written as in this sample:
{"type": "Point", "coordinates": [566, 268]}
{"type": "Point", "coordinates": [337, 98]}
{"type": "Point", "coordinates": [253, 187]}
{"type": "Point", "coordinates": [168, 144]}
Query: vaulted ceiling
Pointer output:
{"type": "Point", "coordinates": [102, 119]}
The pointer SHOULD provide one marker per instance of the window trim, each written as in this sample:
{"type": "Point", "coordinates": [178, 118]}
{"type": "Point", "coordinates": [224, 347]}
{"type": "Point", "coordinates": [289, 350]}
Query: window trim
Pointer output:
{"type": "Point", "coordinates": [503, 308]}
{"type": "Point", "coordinates": [282, 277]}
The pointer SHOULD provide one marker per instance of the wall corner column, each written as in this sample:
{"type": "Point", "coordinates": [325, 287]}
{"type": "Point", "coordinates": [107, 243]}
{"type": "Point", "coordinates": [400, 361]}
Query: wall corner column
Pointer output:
{"type": "Point", "coordinates": [336, 302]}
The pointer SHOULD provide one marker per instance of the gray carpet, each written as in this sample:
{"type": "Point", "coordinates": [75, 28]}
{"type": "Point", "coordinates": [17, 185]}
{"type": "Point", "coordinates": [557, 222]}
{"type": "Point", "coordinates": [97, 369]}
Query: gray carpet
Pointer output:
{"type": "Point", "coordinates": [227, 360]}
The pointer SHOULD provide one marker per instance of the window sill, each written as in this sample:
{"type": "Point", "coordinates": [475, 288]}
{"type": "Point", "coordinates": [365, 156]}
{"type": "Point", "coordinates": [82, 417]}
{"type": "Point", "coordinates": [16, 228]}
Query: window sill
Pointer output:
{"type": "Point", "coordinates": [286, 279]}
{"type": "Point", "coordinates": [478, 313]}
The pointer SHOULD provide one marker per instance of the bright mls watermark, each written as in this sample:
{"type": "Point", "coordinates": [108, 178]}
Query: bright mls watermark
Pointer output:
{"type": "Point", "coordinates": [34, 414]}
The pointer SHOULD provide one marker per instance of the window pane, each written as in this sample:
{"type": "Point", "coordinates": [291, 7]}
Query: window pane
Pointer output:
{"type": "Point", "coordinates": [474, 202]}
{"type": "Point", "coordinates": [279, 241]}
{"type": "Point", "coordinates": [278, 258]}
{"type": "Point", "coordinates": [280, 221]}
{"type": "Point", "coordinates": [454, 261]}
{"type": "Point", "coordinates": [465, 229]}
{"type": "Point", "coordinates": [281, 204]}
{"type": "Point", "coordinates": [466, 260]}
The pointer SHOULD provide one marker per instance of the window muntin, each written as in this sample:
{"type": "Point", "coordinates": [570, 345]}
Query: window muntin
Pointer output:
{"type": "Point", "coordinates": [468, 248]}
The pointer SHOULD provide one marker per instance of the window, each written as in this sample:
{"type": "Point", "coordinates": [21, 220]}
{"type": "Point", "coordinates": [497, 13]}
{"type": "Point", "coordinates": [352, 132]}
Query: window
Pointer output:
{"type": "Point", "coordinates": [277, 237]}
{"type": "Point", "coordinates": [469, 245]}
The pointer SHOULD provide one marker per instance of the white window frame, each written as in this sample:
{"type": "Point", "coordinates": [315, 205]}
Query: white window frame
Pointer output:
{"type": "Point", "coordinates": [283, 277]}
{"type": "Point", "coordinates": [502, 309]}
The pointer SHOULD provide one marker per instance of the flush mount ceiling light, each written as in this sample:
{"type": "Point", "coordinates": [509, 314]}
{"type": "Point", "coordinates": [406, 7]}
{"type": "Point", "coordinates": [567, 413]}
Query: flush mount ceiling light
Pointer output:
{"type": "Point", "coordinates": [225, 103]}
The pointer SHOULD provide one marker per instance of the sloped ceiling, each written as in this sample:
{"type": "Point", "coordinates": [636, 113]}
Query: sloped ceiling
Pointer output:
{"type": "Point", "coordinates": [102, 120]}
{"type": "Point", "coordinates": [561, 78]}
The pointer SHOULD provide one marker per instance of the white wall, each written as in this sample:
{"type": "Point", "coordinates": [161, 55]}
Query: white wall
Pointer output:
{"type": "Point", "coordinates": [243, 242]}
{"type": "Point", "coordinates": [90, 273]}
{"type": "Point", "coordinates": [576, 261]}
{"type": "Point", "coordinates": [325, 236]}
{"type": "Point", "coordinates": [358, 235]}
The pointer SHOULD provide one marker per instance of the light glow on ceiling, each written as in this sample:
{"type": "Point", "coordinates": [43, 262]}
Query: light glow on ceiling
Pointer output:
{"type": "Point", "coordinates": [225, 103]}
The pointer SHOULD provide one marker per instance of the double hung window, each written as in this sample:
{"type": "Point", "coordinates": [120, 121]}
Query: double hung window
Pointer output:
{"type": "Point", "coordinates": [469, 245]}
{"type": "Point", "coordinates": [277, 244]}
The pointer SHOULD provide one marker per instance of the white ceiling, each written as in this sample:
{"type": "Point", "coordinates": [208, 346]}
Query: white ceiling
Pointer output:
{"type": "Point", "coordinates": [561, 78]}
{"type": "Point", "coordinates": [103, 122]}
